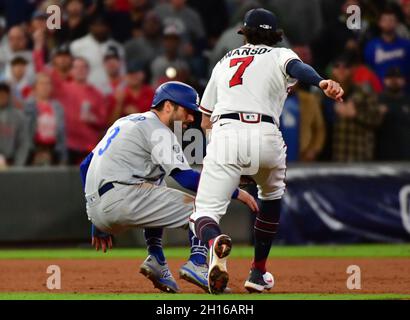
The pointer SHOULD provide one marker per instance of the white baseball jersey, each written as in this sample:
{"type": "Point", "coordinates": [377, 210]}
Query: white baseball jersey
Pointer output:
{"type": "Point", "coordinates": [251, 78]}
{"type": "Point", "coordinates": [135, 149]}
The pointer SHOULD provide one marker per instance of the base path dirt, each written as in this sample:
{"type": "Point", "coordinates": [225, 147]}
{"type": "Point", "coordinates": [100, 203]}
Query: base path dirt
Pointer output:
{"type": "Point", "coordinates": [307, 275]}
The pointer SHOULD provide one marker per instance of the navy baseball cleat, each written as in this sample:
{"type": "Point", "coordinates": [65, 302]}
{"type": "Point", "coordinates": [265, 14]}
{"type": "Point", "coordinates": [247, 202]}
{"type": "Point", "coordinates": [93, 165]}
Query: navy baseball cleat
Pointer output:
{"type": "Point", "coordinates": [258, 281]}
{"type": "Point", "coordinates": [196, 274]}
{"type": "Point", "coordinates": [218, 274]}
{"type": "Point", "coordinates": [160, 275]}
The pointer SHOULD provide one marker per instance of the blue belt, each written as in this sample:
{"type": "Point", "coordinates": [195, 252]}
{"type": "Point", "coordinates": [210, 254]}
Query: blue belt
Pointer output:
{"type": "Point", "coordinates": [106, 187]}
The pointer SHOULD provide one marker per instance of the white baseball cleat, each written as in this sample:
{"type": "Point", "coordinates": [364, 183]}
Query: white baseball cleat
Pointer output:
{"type": "Point", "coordinates": [258, 281]}
{"type": "Point", "coordinates": [218, 275]}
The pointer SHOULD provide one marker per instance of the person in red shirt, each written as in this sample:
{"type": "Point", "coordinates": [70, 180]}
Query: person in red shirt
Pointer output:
{"type": "Point", "coordinates": [85, 113]}
{"type": "Point", "coordinates": [46, 124]}
{"type": "Point", "coordinates": [136, 96]}
{"type": "Point", "coordinates": [58, 70]}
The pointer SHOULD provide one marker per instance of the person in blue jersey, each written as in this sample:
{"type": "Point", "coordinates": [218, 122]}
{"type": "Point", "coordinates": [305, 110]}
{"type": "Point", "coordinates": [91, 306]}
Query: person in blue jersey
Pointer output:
{"type": "Point", "coordinates": [388, 50]}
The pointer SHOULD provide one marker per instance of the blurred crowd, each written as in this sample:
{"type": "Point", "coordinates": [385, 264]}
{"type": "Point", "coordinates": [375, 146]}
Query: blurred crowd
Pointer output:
{"type": "Point", "coordinates": [60, 89]}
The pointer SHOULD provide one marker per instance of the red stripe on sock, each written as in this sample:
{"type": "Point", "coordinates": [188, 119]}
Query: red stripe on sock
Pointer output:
{"type": "Point", "coordinates": [211, 242]}
{"type": "Point", "coordinates": [260, 265]}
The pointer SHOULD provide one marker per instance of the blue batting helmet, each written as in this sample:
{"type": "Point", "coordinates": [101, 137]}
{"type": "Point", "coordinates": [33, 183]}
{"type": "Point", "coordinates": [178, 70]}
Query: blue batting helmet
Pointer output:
{"type": "Point", "coordinates": [177, 92]}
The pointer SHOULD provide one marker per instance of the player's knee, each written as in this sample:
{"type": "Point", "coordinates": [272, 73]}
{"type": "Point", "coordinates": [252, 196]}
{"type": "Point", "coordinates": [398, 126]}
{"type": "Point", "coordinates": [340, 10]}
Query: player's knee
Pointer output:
{"type": "Point", "coordinates": [267, 219]}
{"type": "Point", "coordinates": [274, 193]}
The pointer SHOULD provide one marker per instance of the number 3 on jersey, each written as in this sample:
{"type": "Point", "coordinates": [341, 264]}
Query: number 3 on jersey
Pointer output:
{"type": "Point", "coordinates": [237, 77]}
{"type": "Point", "coordinates": [114, 133]}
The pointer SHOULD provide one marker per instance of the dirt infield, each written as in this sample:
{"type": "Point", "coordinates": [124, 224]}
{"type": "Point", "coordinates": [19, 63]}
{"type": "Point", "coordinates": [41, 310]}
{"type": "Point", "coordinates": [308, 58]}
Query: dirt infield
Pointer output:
{"type": "Point", "coordinates": [308, 275]}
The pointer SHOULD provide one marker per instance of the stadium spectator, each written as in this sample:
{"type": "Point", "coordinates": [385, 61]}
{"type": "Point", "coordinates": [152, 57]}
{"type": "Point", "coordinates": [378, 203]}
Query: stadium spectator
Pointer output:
{"type": "Point", "coordinates": [93, 47]}
{"type": "Point", "coordinates": [336, 37]}
{"type": "Point", "coordinates": [46, 125]}
{"type": "Point", "coordinates": [16, 45]}
{"type": "Point", "coordinates": [220, 18]}
{"type": "Point", "coordinates": [394, 132]}
{"type": "Point", "coordinates": [178, 13]}
{"type": "Point", "coordinates": [405, 7]}
{"type": "Point", "coordinates": [58, 70]}
{"type": "Point", "coordinates": [19, 83]}
{"type": "Point", "coordinates": [388, 50]}
{"type": "Point", "coordinates": [119, 20]}
{"type": "Point", "coordinates": [18, 11]}
{"type": "Point", "coordinates": [302, 20]}
{"type": "Point", "coordinates": [147, 46]}
{"type": "Point", "coordinates": [302, 123]}
{"type": "Point", "coordinates": [302, 126]}
{"type": "Point", "coordinates": [38, 21]}
{"type": "Point", "coordinates": [136, 96]}
{"type": "Point", "coordinates": [138, 11]}
{"type": "Point", "coordinates": [74, 25]}
{"type": "Point", "coordinates": [355, 119]}
{"type": "Point", "coordinates": [85, 114]}
{"type": "Point", "coordinates": [403, 30]}
{"type": "Point", "coordinates": [113, 68]}
{"type": "Point", "coordinates": [165, 67]}
{"type": "Point", "coordinates": [14, 136]}
{"type": "Point", "coordinates": [362, 74]}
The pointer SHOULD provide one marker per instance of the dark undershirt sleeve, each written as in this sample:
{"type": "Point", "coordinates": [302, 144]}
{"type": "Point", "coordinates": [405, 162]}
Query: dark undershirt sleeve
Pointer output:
{"type": "Point", "coordinates": [303, 72]}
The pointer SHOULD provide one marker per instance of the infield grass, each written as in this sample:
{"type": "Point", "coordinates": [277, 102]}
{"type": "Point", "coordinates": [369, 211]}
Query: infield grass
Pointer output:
{"type": "Point", "coordinates": [328, 251]}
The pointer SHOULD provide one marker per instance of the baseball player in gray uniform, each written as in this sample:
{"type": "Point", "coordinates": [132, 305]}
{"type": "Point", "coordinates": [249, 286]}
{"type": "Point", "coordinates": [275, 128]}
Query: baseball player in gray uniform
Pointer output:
{"type": "Point", "coordinates": [124, 184]}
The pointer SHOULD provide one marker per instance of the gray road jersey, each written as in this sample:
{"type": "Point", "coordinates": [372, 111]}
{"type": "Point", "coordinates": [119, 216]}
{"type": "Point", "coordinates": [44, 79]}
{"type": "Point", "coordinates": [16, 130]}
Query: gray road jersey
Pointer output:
{"type": "Point", "coordinates": [136, 148]}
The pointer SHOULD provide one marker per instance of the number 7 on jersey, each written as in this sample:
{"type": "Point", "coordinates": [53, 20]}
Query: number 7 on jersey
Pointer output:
{"type": "Point", "coordinates": [237, 77]}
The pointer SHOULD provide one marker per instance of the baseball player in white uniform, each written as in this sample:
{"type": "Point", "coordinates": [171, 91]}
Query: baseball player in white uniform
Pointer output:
{"type": "Point", "coordinates": [242, 104]}
{"type": "Point", "coordinates": [125, 188]}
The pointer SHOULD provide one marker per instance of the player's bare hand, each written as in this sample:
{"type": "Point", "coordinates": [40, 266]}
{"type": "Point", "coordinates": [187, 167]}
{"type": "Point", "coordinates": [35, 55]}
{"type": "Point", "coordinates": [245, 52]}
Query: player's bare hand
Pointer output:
{"type": "Point", "coordinates": [247, 199]}
{"type": "Point", "coordinates": [103, 243]}
{"type": "Point", "coordinates": [100, 239]}
{"type": "Point", "coordinates": [332, 89]}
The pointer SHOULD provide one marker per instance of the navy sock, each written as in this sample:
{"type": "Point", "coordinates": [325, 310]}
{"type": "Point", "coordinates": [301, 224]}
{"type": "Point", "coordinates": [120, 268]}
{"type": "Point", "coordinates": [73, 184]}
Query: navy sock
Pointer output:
{"type": "Point", "coordinates": [199, 251]}
{"type": "Point", "coordinates": [207, 229]}
{"type": "Point", "coordinates": [153, 239]}
{"type": "Point", "coordinates": [265, 227]}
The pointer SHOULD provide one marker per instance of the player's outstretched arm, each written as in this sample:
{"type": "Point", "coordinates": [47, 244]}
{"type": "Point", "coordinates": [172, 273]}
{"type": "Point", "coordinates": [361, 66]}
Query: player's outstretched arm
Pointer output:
{"type": "Point", "coordinates": [305, 73]}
